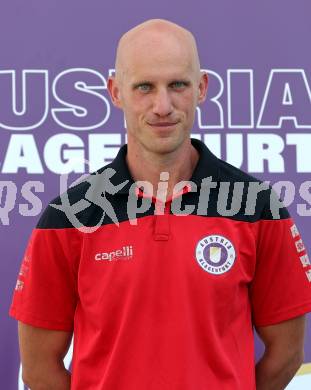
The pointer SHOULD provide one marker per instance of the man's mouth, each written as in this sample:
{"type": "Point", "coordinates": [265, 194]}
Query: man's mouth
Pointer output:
{"type": "Point", "coordinates": [162, 124]}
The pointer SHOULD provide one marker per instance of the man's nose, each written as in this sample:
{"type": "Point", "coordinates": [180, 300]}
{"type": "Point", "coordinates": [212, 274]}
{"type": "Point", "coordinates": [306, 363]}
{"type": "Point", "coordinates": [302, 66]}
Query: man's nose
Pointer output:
{"type": "Point", "coordinates": [162, 104]}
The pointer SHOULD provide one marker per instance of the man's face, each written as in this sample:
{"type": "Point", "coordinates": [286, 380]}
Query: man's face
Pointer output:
{"type": "Point", "coordinates": [158, 91]}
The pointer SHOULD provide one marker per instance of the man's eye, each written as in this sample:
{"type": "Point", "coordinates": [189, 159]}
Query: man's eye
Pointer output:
{"type": "Point", "coordinates": [178, 84]}
{"type": "Point", "coordinates": [144, 87]}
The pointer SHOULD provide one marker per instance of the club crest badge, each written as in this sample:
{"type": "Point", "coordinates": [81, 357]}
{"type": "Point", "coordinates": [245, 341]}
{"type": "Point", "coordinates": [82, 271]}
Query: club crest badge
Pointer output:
{"type": "Point", "coordinates": [215, 254]}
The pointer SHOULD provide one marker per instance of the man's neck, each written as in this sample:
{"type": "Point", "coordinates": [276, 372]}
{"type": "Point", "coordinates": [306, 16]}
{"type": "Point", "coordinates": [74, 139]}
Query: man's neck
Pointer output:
{"type": "Point", "coordinates": [148, 166]}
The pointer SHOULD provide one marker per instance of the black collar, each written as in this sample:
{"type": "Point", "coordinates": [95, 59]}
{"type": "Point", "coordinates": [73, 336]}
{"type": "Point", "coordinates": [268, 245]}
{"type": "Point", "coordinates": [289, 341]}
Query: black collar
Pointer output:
{"type": "Point", "coordinates": [207, 166]}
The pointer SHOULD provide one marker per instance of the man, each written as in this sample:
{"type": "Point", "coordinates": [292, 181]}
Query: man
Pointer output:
{"type": "Point", "coordinates": [168, 302]}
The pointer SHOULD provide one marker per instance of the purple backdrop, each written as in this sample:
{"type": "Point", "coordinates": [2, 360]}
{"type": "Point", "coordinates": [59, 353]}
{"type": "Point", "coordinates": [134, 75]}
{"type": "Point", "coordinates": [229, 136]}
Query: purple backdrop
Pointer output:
{"type": "Point", "coordinates": [258, 57]}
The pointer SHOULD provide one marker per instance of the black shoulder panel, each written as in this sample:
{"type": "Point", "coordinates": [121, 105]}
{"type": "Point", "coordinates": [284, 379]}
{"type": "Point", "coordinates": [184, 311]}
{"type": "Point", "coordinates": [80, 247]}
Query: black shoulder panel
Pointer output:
{"type": "Point", "coordinates": [221, 191]}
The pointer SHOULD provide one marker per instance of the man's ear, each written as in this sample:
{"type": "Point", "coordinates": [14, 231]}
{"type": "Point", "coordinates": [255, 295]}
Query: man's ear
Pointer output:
{"type": "Point", "coordinates": [203, 87]}
{"type": "Point", "coordinates": [114, 92]}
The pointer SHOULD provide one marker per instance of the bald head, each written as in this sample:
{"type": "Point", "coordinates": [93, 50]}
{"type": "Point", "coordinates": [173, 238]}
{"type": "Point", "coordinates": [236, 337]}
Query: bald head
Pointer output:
{"type": "Point", "coordinates": [154, 36]}
{"type": "Point", "coordinates": [158, 85]}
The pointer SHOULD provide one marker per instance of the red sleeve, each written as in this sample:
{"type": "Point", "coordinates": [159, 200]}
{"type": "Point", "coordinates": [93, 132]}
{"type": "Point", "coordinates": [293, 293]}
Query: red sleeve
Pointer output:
{"type": "Point", "coordinates": [281, 288]}
{"type": "Point", "coordinates": [46, 290]}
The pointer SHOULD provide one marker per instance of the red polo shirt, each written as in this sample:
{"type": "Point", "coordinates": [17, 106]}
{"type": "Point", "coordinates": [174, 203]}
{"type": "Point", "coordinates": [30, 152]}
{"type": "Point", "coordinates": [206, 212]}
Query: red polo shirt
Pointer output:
{"type": "Point", "coordinates": [169, 302]}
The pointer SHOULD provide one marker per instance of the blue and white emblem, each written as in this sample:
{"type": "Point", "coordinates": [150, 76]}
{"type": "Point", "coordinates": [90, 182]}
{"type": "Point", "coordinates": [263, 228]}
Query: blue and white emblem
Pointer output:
{"type": "Point", "coordinates": [215, 254]}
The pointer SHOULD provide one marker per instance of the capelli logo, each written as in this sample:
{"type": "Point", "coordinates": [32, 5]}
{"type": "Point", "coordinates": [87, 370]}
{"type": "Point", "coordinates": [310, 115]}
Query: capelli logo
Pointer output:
{"type": "Point", "coordinates": [125, 253]}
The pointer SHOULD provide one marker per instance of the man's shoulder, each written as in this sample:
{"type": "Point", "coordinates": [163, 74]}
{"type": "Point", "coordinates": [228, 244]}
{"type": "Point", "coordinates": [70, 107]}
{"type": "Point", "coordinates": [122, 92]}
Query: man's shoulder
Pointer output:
{"type": "Point", "coordinates": [73, 208]}
{"type": "Point", "coordinates": [258, 199]}
{"type": "Point", "coordinates": [230, 173]}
